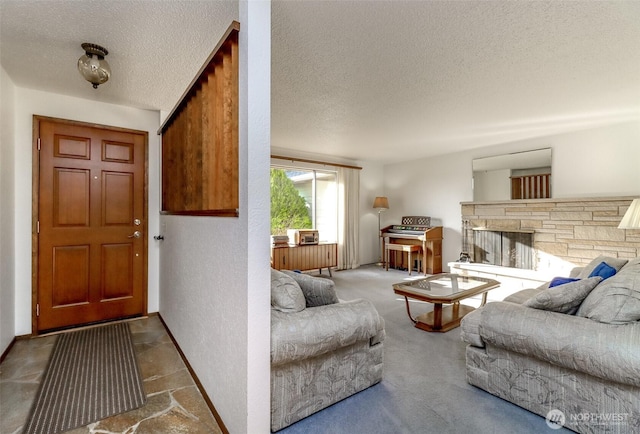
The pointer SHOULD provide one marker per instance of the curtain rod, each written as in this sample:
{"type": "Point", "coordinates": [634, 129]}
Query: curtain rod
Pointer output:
{"type": "Point", "coordinates": [304, 160]}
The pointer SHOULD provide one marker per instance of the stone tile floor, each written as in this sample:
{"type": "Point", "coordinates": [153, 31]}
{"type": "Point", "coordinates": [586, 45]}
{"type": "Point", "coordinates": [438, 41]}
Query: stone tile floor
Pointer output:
{"type": "Point", "coordinates": [174, 403]}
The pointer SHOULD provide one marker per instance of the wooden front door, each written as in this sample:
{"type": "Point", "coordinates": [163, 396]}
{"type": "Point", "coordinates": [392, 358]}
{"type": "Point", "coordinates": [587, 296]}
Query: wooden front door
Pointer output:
{"type": "Point", "coordinates": [91, 223]}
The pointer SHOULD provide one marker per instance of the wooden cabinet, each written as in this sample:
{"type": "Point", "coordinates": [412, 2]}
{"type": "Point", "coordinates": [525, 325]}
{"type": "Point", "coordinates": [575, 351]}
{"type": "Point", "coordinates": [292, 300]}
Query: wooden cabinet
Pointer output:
{"type": "Point", "coordinates": [312, 257]}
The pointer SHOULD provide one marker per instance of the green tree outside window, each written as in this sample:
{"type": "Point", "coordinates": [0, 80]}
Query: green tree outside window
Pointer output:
{"type": "Point", "coordinates": [288, 209]}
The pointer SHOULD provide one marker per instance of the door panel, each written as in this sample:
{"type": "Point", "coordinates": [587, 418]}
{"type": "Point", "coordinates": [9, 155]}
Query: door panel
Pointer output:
{"type": "Point", "coordinates": [70, 275]}
{"type": "Point", "coordinates": [117, 271]}
{"type": "Point", "coordinates": [91, 200]}
{"type": "Point", "coordinates": [70, 197]}
{"type": "Point", "coordinates": [117, 204]}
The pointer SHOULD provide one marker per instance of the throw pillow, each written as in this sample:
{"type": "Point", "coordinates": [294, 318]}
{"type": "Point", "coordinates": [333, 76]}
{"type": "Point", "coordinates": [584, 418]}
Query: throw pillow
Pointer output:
{"type": "Point", "coordinates": [317, 291]}
{"type": "Point", "coordinates": [565, 298]}
{"type": "Point", "coordinates": [603, 270]}
{"type": "Point", "coordinates": [557, 281]}
{"type": "Point", "coordinates": [616, 300]}
{"type": "Point", "coordinates": [612, 262]}
{"type": "Point", "coordinates": [286, 295]}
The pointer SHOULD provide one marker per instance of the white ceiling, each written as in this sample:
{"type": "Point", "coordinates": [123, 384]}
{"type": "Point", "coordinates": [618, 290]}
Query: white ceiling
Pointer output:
{"type": "Point", "coordinates": [364, 80]}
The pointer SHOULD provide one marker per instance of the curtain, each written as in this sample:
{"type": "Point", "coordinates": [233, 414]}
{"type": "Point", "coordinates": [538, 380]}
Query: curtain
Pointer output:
{"type": "Point", "coordinates": [348, 218]}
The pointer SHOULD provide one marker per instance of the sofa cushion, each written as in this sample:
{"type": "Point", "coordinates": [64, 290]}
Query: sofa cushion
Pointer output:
{"type": "Point", "coordinates": [317, 291]}
{"type": "Point", "coordinates": [616, 263]}
{"type": "Point", "coordinates": [616, 300]}
{"type": "Point", "coordinates": [286, 295]}
{"type": "Point", "coordinates": [563, 298]}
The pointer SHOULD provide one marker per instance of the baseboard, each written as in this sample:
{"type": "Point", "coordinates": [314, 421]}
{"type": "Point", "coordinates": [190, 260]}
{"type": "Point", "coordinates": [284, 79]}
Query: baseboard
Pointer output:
{"type": "Point", "coordinates": [216, 416]}
{"type": "Point", "coordinates": [4, 354]}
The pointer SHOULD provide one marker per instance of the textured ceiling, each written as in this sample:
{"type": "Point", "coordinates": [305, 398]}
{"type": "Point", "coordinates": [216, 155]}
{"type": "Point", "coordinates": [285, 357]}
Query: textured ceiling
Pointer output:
{"type": "Point", "coordinates": [155, 47]}
{"type": "Point", "coordinates": [365, 80]}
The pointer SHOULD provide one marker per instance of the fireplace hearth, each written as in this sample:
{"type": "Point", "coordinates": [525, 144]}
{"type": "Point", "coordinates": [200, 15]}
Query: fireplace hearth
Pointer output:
{"type": "Point", "coordinates": [503, 248]}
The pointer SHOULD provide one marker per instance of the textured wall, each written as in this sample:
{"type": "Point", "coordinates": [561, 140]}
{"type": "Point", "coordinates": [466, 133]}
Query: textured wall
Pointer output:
{"type": "Point", "coordinates": [566, 232]}
{"type": "Point", "coordinates": [214, 271]}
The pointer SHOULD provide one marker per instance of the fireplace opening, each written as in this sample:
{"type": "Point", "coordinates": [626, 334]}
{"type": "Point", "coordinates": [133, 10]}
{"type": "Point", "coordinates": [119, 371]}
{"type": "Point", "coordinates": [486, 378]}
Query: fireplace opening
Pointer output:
{"type": "Point", "coordinates": [504, 248]}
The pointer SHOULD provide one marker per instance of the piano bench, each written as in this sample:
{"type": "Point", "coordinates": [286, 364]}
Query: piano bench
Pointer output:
{"type": "Point", "coordinates": [409, 248]}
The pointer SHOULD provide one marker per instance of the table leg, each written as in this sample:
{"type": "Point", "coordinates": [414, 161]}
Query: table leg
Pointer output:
{"type": "Point", "coordinates": [437, 316]}
{"type": "Point", "coordinates": [484, 299]}
{"type": "Point", "coordinates": [406, 301]}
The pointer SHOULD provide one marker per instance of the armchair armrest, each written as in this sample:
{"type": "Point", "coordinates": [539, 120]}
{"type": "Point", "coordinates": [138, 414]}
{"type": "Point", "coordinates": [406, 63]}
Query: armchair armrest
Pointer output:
{"type": "Point", "coordinates": [318, 330]}
{"type": "Point", "coordinates": [606, 351]}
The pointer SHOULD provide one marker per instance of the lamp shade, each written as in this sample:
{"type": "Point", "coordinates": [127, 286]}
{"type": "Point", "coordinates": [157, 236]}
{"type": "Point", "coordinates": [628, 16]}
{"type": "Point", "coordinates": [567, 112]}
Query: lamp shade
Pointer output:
{"type": "Point", "coordinates": [381, 202]}
{"type": "Point", "coordinates": [631, 219]}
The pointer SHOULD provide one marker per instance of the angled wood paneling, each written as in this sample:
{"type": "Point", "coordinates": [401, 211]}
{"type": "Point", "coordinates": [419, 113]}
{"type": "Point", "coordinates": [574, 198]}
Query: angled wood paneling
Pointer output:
{"type": "Point", "coordinates": [200, 139]}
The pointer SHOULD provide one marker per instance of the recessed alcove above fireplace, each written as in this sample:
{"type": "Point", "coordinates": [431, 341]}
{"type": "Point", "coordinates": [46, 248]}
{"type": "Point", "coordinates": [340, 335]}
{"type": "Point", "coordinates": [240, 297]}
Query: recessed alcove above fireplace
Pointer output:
{"type": "Point", "coordinates": [504, 248]}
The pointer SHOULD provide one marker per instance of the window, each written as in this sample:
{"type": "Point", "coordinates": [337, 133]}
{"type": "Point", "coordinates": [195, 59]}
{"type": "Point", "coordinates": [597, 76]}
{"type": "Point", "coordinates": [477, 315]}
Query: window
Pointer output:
{"type": "Point", "coordinates": [304, 198]}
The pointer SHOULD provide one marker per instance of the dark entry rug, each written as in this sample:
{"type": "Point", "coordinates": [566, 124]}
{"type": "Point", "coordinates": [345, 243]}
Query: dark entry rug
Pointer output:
{"type": "Point", "coordinates": [92, 374]}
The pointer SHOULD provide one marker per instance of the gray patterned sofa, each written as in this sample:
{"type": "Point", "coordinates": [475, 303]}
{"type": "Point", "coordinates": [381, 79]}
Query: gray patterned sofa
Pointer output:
{"type": "Point", "coordinates": [572, 348]}
{"type": "Point", "coordinates": [322, 349]}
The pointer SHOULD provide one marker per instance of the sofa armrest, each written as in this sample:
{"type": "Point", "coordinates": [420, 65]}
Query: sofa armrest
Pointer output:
{"type": "Point", "coordinates": [606, 351]}
{"type": "Point", "coordinates": [318, 330]}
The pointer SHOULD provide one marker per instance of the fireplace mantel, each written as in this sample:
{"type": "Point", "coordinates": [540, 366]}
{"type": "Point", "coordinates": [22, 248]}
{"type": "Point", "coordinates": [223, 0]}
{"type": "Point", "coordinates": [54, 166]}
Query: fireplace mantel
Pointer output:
{"type": "Point", "coordinates": [521, 231]}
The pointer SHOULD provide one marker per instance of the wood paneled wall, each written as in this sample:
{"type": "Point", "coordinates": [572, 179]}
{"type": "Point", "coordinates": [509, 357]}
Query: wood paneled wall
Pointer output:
{"type": "Point", "coordinates": [200, 139]}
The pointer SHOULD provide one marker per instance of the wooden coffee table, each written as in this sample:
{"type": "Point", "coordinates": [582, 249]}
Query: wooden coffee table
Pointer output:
{"type": "Point", "coordinates": [442, 289]}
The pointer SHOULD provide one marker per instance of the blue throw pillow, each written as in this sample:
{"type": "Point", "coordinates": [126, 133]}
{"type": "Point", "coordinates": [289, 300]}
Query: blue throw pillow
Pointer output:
{"type": "Point", "coordinates": [557, 281]}
{"type": "Point", "coordinates": [603, 270]}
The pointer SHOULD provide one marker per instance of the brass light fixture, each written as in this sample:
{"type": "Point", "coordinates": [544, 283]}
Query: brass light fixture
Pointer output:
{"type": "Point", "coordinates": [92, 65]}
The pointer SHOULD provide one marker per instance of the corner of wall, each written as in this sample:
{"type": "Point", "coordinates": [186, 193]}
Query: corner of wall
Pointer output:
{"type": "Point", "coordinates": [7, 211]}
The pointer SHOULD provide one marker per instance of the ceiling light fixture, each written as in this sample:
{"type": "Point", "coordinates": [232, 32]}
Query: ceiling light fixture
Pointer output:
{"type": "Point", "coordinates": [92, 65]}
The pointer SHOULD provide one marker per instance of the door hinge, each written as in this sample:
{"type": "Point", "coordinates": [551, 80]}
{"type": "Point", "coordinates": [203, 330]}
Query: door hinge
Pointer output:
{"type": "Point", "coordinates": [38, 227]}
{"type": "Point", "coordinates": [38, 309]}
{"type": "Point", "coordinates": [38, 143]}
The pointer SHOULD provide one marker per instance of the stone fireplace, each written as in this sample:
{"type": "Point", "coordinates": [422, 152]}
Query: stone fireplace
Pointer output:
{"type": "Point", "coordinates": [564, 232]}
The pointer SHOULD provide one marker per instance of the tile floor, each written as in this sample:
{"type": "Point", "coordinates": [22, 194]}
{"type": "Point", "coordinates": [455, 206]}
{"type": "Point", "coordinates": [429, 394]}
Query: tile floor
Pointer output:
{"type": "Point", "coordinates": [174, 403]}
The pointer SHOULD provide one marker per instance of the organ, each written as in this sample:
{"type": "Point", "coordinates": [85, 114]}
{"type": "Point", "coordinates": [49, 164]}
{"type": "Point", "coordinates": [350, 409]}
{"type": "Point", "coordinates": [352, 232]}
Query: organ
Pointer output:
{"type": "Point", "coordinates": [414, 230]}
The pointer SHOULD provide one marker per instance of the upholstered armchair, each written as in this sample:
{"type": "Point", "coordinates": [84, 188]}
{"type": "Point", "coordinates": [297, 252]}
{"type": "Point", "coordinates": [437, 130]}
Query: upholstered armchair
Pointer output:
{"type": "Point", "coordinates": [322, 349]}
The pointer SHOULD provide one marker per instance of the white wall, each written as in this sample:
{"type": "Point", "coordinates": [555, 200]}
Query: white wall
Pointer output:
{"type": "Point", "coordinates": [30, 102]}
{"type": "Point", "coordinates": [214, 274]}
{"type": "Point", "coordinates": [7, 197]}
{"type": "Point", "coordinates": [431, 187]}
{"type": "Point", "coordinates": [598, 162]}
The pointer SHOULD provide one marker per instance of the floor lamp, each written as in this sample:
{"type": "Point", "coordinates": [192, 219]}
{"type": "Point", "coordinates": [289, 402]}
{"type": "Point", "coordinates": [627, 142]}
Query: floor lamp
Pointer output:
{"type": "Point", "coordinates": [381, 203]}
